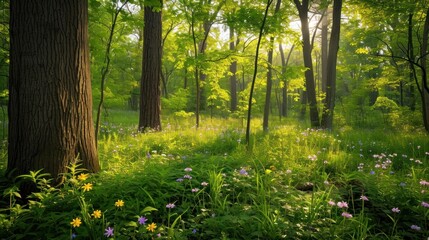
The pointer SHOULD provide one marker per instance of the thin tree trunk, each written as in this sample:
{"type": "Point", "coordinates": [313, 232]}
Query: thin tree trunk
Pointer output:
{"type": "Point", "coordinates": [285, 63]}
{"type": "Point", "coordinates": [324, 50]}
{"type": "Point", "coordinates": [233, 70]}
{"type": "Point", "coordinates": [50, 106]}
{"type": "Point", "coordinates": [150, 97]}
{"type": "Point", "coordinates": [255, 71]}
{"type": "Point", "coordinates": [269, 77]}
{"type": "Point", "coordinates": [105, 68]}
{"type": "Point", "coordinates": [328, 110]}
{"type": "Point", "coordinates": [425, 87]}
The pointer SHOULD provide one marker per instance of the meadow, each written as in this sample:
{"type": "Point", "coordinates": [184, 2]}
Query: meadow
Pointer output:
{"type": "Point", "coordinates": [205, 183]}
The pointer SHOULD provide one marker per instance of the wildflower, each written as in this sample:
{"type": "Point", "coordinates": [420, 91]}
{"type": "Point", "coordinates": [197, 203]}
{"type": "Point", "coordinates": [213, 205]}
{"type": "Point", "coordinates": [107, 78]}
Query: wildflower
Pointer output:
{"type": "Point", "coordinates": [288, 171]}
{"type": "Point", "coordinates": [326, 182]}
{"type": "Point", "coordinates": [179, 180]}
{"type": "Point", "coordinates": [243, 172]}
{"type": "Point", "coordinates": [148, 155]}
{"type": "Point", "coordinates": [194, 231]}
{"type": "Point", "coordinates": [108, 232]}
{"type": "Point", "coordinates": [73, 236]}
{"type": "Point", "coordinates": [119, 203]}
{"type": "Point", "coordinates": [415, 227]}
{"type": "Point", "coordinates": [151, 227]}
{"type": "Point", "coordinates": [424, 183]}
{"type": "Point", "coordinates": [204, 184]}
{"type": "Point", "coordinates": [425, 204]}
{"type": "Point", "coordinates": [96, 214]}
{"type": "Point", "coordinates": [87, 186]}
{"type": "Point", "coordinates": [346, 215]}
{"type": "Point", "coordinates": [372, 172]}
{"type": "Point", "coordinates": [187, 177]}
{"type": "Point", "coordinates": [76, 222]}
{"type": "Point", "coordinates": [142, 220]}
{"type": "Point", "coordinates": [342, 204]}
{"type": "Point", "coordinates": [83, 176]}
{"type": "Point", "coordinates": [268, 171]}
{"type": "Point", "coordinates": [170, 205]}
{"type": "Point", "coordinates": [364, 198]}
{"type": "Point", "coordinates": [331, 203]}
{"type": "Point", "coordinates": [402, 184]}
{"type": "Point", "coordinates": [158, 235]}
{"type": "Point", "coordinates": [395, 210]}
{"type": "Point", "coordinates": [188, 169]}
{"type": "Point", "coordinates": [195, 189]}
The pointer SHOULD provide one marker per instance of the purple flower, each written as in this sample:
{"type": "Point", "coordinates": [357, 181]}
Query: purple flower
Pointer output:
{"type": "Point", "coordinates": [372, 172]}
{"type": "Point", "coordinates": [194, 231]}
{"type": "Point", "coordinates": [195, 189]}
{"type": "Point", "coordinates": [187, 177]}
{"type": "Point", "coordinates": [364, 198]}
{"type": "Point", "coordinates": [188, 169]}
{"type": "Point", "coordinates": [415, 227]}
{"type": "Point", "coordinates": [142, 220]}
{"type": "Point", "coordinates": [346, 215]}
{"type": "Point", "coordinates": [342, 204]}
{"type": "Point", "coordinates": [108, 232]}
{"type": "Point", "coordinates": [425, 204]}
{"type": "Point", "coordinates": [73, 236]}
{"type": "Point", "coordinates": [170, 205]}
{"type": "Point", "coordinates": [243, 172]}
{"type": "Point", "coordinates": [179, 180]}
{"type": "Point", "coordinates": [424, 183]}
{"type": "Point", "coordinates": [204, 184]}
{"type": "Point", "coordinates": [395, 210]}
{"type": "Point", "coordinates": [158, 235]}
{"type": "Point", "coordinates": [331, 203]}
{"type": "Point", "coordinates": [148, 155]}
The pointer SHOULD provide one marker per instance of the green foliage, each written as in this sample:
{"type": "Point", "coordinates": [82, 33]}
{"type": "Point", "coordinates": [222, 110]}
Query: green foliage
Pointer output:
{"type": "Point", "coordinates": [283, 188]}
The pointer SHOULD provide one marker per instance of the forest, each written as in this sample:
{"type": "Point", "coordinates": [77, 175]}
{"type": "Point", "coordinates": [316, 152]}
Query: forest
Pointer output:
{"type": "Point", "coordinates": [214, 119]}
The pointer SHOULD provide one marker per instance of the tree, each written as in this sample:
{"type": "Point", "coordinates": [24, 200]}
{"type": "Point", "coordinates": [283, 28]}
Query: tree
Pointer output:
{"type": "Point", "coordinates": [303, 9]}
{"type": "Point", "coordinates": [150, 93]}
{"type": "Point", "coordinates": [50, 107]}
{"type": "Point", "coordinates": [269, 77]}
{"type": "Point", "coordinates": [328, 109]}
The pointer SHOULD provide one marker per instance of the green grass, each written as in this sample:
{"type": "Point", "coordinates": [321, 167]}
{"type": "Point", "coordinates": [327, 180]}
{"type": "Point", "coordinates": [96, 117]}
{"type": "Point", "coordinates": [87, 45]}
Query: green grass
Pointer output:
{"type": "Point", "coordinates": [279, 189]}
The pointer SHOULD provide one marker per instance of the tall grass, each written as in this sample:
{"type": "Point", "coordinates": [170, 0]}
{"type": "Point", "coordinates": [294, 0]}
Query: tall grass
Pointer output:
{"type": "Point", "coordinates": [205, 184]}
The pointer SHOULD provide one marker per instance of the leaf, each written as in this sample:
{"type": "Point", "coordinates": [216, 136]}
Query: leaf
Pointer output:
{"type": "Point", "coordinates": [148, 209]}
{"type": "Point", "coordinates": [131, 224]}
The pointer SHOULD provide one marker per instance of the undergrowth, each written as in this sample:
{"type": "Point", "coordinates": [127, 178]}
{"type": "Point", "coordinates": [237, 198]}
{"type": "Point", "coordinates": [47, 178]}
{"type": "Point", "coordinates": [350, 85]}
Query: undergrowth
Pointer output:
{"type": "Point", "coordinates": [293, 183]}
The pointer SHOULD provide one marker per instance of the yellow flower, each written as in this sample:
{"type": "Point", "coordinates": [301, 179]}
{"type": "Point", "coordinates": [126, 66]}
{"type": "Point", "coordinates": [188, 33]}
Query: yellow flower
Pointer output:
{"type": "Point", "coordinates": [76, 222]}
{"type": "Point", "coordinates": [151, 227]}
{"type": "Point", "coordinates": [96, 214]}
{"type": "Point", "coordinates": [119, 203]}
{"type": "Point", "coordinates": [83, 176]}
{"type": "Point", "coordinates": [87, 187]}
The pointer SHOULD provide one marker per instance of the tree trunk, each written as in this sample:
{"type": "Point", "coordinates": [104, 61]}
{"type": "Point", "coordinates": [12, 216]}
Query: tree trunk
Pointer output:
{"type": "Point", "coordinates": [308, 62]}
{"type": "Point", "coordinates": [150, 100]}
{"type": "Point", "coordinates": [50, 106]}
{"type": "Point", "coordinates": [328, 109]}
{"type": "Point", "coordinates": [425, 87]}
{"type": "Point", "coordinates": [285, 62]}
{"type": "Point", "coordinates": [269, 77]}
{"type": "Point", "coordinates": [324, 47]}
{"type": "Point", "coordinates": [233, 70]}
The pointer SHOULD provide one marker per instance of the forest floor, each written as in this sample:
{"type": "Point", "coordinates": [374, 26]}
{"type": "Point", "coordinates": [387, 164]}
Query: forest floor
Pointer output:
{"type": "Point", "coordinates": [205, 183]}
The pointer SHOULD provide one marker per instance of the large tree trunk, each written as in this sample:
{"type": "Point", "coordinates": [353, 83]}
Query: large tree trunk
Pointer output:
{"type": "Point", "coordinates": [150, 102]}
{"type": "Point", "coordinates": [329, 104]}
{"type": "Point", "coordinates": [50, 107]}
{"type": "Point", "coordinates": [308, 62]}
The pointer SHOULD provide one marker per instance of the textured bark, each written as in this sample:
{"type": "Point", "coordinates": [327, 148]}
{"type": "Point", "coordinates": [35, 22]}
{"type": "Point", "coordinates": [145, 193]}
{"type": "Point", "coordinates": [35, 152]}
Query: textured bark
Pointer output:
{"type": "Point", "coordinates": [329, 104]}
{"type": "Point", "coordinates": [150, 103]}
{"type": "Point", "coordinates": [324, 47]}
{"type": "Point", "coordinates": [308, 62]}
{"type": "Point", "coordinates": [50, 107]}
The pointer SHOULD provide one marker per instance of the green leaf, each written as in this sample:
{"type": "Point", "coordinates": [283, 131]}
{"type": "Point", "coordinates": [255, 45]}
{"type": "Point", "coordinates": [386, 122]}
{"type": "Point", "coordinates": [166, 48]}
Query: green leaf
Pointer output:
{"type": "Point", "coordinates": [148, 209]}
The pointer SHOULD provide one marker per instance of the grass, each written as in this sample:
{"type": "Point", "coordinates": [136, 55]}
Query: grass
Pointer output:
{"type": "Point", "coordinates": [205, 184]}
